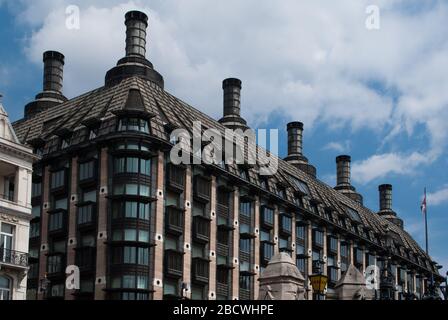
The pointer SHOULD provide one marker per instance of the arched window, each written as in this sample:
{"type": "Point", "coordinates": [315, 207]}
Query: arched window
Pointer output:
{"type": "Point", "coordinates": [5, 288]}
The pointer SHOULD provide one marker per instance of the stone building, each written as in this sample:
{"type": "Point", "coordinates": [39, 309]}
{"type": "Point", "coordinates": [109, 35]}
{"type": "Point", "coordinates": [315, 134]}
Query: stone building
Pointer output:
{"type": "Point", "coordinates": [140, 227]}
{"type": "Point", "coordinates": [16, 163]}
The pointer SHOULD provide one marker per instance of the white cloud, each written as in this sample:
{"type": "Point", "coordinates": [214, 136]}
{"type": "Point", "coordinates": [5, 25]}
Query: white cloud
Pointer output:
{"type": "Point", "coordinates": [382, 165]}
{"type": "Point", "coordinates": [438, 197]}
{"type": "Point", "coordinates": [312, 61]}
{"type": "Point", "coordinates": [338, 146]}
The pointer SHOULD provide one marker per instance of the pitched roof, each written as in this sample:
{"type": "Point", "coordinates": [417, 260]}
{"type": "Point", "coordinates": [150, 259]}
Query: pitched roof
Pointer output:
{"type": "Point", "coordinates": [102, 103]}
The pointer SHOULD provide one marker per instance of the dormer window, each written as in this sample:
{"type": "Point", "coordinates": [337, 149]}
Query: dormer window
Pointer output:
{"type": "Point", "coordinates": [133, 124]}
{"type": "Point", "coordinates": [301, 186]}
{"type": "Point", "coordinates": [65, 143]}
{"type": "Point", "coordinates": [93, 133]}
{"type": "Point", "coordinates": [243, 174]}
{"type": "Point", "coordinates": [281, 192]}
{"type": "Point", "coordinates": [39, 151]}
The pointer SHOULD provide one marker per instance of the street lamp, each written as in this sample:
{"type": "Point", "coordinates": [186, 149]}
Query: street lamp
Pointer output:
{"type": "Point", "coordinates": [44, 285]}
{"type": "Point", "coordinates": [387, 279]}
{"type": "Point", "coordinates": [318, 280]}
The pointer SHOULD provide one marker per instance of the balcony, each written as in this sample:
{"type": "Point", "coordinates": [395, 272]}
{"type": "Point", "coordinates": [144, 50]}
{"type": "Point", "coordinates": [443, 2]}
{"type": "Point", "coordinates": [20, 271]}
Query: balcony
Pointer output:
{"type": "Point", "coordinates": [56, 265]}
{"type": "Point", "coordinates": [175, 178]}
{"type": "Point", "coordinates": [266, 252]}
{"type": "Point", "coordinates": [200, 270]}
{"type": "Point", "coordinates": [86, 214]}
{"type": "Point", "coordinates": [285, 225]}
{"type": "Point", "coordinates": [13, 259]}
{"type": "Point", "coordinates": [85, 258]}
{"type": "Point", "coordinates": [174, 220]}
{"type": "Point", "coordinates": [223, 210]}
{"type": "Point", "coordinates": [202, 188]}
{"type": "Point", "coordinates": [201, 228]}
{"type": "Point", "coordinates": [267, 217]}
{"type": "Point", "coordinates": [174, 263]}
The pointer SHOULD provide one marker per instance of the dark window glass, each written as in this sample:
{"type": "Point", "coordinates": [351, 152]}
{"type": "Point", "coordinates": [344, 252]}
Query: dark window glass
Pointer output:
{"type": "Point", "coordinates": [86, 170]}
{"type": "Point", "coordinates": [246, 209]}
{"type": "Point", "coordinates": [36, 190]}
{"type": "Point", "coordinates": [58, 179]}
{"type": "Point", "coordinates": [268, 215]}
{"type": "Point", "coordinates": [245, 245]}
{"type": "Point", "coordinates": [223, 237]}
{"type": "Point", "coordinates": [245, 282]}
{"type": "Point", "coordinates": [133, 124]}
{"type": "Point", "coordinates": [286, 223]}
{"type": "Point", "coordinates": [56, 221]}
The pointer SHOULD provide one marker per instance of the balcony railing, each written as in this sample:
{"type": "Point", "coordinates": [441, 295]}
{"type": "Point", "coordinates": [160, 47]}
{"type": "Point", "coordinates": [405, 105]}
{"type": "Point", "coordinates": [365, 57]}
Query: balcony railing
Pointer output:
{"type": "Point", "coordinates": [201, 270]}
{"type": "Point", "coordinates": [174, 263]}
{"type": "Point", "coordinates": [13, 257]}
{"type": "Point", "coordinates": [7, 197]}
{"type": "Point", "coordinates": [174, 220]}
{"type": "Point", "coordinates": [176, 177]}
{"type": "Point", "coordinates": [202, 190]}
{"type": "Point", "coordinates": [201, 227]}
{"type": "Point", "coordinates": [85, 258]}
{"type": "Point", "coordinates": [56, 264]}
{"type": "Point", "coordinates": [266, 252]}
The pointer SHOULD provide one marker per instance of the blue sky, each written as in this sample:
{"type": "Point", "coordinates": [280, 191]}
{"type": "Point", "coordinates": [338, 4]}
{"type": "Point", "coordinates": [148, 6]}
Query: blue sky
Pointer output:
{"type": "Point", "coordinates": [378, 95]}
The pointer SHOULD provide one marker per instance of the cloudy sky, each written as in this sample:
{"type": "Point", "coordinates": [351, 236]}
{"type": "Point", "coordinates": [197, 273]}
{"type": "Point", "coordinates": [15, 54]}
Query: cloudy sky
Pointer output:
{"type": "Point", "coordinates": [379, 95]}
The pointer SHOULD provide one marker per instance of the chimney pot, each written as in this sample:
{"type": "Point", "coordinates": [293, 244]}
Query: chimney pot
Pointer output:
{"type": "Point", "coordinates": [295, 138]}
{"type": "Point", "coordinates": [385, 191]}
{"type": "Point", "coordinates": [136, 23]}
{"type": "Point", "coordinates": [343, 170]}
{"type": "Point", "coordinates": [232, 96]}
{"type": "Point", "coordinates": [53, 71]}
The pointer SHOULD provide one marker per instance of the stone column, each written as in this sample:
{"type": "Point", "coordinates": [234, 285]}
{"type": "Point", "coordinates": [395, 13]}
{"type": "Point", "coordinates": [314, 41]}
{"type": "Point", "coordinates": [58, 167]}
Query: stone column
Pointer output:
{"type": "Point", "coordinates": [187, 227]}
{"type": "Point", "coordinates": [72, 214]}
{"type": "Point", "coordinates": [257, 247]}
{"type": "Point", "coordinates": [325, 251]}
{"type": "Point", "coordinates": [276, 227]}
{"type": "Point", "coordinates": [338, 257]}
{"type": "Point", "coordinates": [101, 246]}
{"type": "Point", "coordinates": [212, 243]}
{"type": "Point", "coordinates": [158, 228]}
{"type": "Point", "coordinates": [309, 248]}
{"type": "Point", "coordinates": [236, 245]}
{"type": "Point", "coordinates": [351, 258]}
{"type": "Point", "coordinates": [44, 228]}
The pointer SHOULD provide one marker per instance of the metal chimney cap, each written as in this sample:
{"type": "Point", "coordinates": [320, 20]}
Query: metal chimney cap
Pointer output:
{"type": "Point", "coordinates": [344, 158]}
{"type": "Point", "coordinates": [136, 15]}
{"type": "Point", "coordinates": [294, 125]}
{"type": "Point", "coordinates": [54, 55]}
{"type": "Point", "coordinates": [231, 82]}
{"type": "Point", "coordinates": [384, 187]}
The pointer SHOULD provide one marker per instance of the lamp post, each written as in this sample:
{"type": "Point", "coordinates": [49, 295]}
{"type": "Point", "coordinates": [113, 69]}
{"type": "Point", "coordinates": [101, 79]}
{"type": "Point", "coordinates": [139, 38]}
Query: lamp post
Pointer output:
{"type": "Point", "coordinates": [387, 279]}
{"type": "Point", "coordinates": [44, 285]}
{"type": "Point", "coordinates": [318, 280]}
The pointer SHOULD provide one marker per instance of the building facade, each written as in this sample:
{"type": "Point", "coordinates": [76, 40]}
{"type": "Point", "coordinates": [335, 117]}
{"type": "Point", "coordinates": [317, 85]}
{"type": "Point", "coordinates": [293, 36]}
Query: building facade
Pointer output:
{"type": "Point", "coordinates": [138, 226]}
{"type": "Point", "coordinates": [16, 164]}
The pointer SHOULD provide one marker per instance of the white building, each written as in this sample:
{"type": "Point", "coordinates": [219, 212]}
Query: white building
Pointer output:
{"type": "Point", "coordinates": [16, 163]}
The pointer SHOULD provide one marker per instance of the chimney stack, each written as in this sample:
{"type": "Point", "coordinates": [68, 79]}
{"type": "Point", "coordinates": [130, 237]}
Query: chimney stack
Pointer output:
{"type": "Point", "coordinates": [343, 171]}
{"type": "Point", "coordinates": [53, 71]}
{"type": "Point", "coordinates": [343, 184]}
{"type": "Point", "coordinates": [52, 84]}
{"type": "Point", "coordinates": [385, 192]}
{"type": "Point", "coordinates": [232, 105]}
{"type": "Point", "coordinates": [134, 63]}
{"type": "Point", "coordinates": [295, 136]}
{"type": "Point", "coordinates": [136, 23]}
{"type": "Point", "coordinates": [295, 148]}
